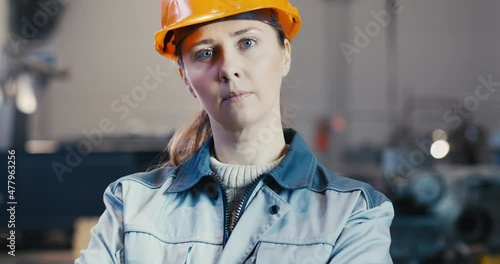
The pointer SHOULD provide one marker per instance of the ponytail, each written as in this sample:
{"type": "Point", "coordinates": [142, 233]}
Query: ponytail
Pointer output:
{"type": "Point", "coordinates": [187, 140]}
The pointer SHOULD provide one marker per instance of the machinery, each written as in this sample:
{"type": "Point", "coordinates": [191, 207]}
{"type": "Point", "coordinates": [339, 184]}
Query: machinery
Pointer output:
{"type": "Point", "coordinates": [448, 214]}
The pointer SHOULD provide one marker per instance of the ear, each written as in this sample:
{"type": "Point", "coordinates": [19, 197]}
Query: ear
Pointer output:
{"type": "Point", "coordinates": [186, 82]}
{"type": "Point", "coordinates": [287, 57]}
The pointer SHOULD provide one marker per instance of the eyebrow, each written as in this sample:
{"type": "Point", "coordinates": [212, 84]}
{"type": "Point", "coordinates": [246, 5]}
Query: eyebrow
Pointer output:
{"type": "Point", "coordinates": [243, 31]}
{"type": "Point", "coordinates": [202, 42]}
{"type": "Point", "coordinates": [234, 34]}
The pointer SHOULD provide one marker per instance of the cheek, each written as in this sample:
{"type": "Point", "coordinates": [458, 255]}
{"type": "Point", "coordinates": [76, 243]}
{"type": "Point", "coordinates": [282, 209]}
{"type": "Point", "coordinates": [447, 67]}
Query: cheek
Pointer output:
{"type": "Point", "coordinates": [269, 73]}
{"type": "Point", "coordinates": [199, 78]}
{"type": "Point", "coordinates": [202, 80]}
{"type": "Point", "coordinates": [270, 62]}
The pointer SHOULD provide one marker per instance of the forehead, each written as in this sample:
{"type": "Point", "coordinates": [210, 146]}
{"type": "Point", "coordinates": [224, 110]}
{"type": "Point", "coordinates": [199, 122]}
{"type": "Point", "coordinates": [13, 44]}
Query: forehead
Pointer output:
{"type": "Point", "coordinates": [228, 28]}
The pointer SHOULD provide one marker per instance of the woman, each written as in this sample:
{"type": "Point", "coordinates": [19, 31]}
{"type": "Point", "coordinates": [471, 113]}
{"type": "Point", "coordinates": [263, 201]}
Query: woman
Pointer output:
{"type": "Point", "coordinates": [238, 188]}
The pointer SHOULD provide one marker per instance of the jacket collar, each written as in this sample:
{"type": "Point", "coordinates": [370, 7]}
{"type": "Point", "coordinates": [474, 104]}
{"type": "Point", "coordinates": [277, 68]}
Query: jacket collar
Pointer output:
{"type": "Point", "coordinates": [296, 169]}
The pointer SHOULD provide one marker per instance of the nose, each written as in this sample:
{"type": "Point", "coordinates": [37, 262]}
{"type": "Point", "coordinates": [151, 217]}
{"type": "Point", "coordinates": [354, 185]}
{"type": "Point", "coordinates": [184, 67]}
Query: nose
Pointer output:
{"type": "Point", "coordinates": [230, 68]}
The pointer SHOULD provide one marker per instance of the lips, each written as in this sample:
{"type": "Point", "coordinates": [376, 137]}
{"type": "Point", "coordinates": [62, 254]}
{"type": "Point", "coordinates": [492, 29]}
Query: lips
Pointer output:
{"type": "Point", "coordinates": [236, 96]}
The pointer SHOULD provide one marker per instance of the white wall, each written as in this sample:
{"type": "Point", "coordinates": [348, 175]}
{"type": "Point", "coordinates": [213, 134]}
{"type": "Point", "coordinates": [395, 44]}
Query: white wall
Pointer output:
{"type": "Point", "coordinates": [109, 48]}
{"type": "Point", "coordinates": [444, 49]}
{"type": "Point", "coordinates": [367, 108]}
{"type": "Point", "coordinates": [308, 88]}
{"type": "Point", "coordinates": [444, 46]}
{"type": "Point", "coordinates": [5, 109]}
{"type": "Point", "coordinates": [3, 22]}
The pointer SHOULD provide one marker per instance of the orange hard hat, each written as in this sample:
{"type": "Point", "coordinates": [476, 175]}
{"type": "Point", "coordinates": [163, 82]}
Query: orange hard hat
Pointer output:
{"type": "Point", "coordinates": [177, 14]}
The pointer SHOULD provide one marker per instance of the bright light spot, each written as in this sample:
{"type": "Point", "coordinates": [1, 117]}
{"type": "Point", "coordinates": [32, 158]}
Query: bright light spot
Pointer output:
{"type": "Point", "coordinates": [25, 98]}
{"type": "Point", "coordinates": [440, 149]}
{"type": "Point", "coordinates": [439, 135]}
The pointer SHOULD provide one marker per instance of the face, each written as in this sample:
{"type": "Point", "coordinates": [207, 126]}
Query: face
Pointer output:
{"type": "Point", "coordinates": [235, 69]}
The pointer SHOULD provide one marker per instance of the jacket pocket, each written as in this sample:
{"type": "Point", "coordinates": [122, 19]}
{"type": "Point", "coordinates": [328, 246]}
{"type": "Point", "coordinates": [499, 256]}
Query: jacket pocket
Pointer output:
{"type": "Point", "coordinates": [267, 252]}
{"type": "Point", "coordinates": [146, 248]}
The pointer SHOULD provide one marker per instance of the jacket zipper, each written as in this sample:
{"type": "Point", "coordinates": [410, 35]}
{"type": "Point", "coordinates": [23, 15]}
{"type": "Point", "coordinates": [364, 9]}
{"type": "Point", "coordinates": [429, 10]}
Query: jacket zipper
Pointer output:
{"type": "Point", "coordinates": [244, 201]}
{"type": "Point", "coordinates": [226, 209]}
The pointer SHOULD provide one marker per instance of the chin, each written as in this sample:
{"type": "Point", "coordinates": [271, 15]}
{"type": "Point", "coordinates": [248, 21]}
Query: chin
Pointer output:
{"type": "Point", "coordinates": [240, 119]}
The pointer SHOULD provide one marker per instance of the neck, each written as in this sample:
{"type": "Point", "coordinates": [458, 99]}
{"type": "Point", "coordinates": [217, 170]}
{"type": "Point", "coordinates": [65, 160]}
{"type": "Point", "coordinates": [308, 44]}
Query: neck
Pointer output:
{"type": "Point", "coordinates": [248, 146]}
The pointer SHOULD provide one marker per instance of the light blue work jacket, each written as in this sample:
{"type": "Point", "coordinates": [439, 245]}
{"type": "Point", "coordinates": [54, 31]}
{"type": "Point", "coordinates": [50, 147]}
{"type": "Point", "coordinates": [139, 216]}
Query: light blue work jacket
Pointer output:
{"type": "Point", "coordinates": [300, 212]}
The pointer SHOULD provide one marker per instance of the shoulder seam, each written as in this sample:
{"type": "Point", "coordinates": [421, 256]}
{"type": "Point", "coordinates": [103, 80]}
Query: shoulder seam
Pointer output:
{"type": "Point", "coordinates": [136, 178]}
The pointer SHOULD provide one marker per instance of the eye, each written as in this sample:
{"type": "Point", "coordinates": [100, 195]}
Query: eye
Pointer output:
{"type": "Point", "coordinates": [204, 54]}
{"type": "Point", "coordinates": [247, 43]}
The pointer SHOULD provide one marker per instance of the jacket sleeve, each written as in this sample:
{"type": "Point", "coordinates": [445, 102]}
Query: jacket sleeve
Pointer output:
{"type": "Point", "coordinates": [106, 242]}
{"type": "Point", "coordinates": [366, 236]}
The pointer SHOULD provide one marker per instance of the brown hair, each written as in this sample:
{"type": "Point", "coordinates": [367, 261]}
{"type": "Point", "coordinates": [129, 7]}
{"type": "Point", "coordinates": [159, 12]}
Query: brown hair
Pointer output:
{"type": "Point", "coordinates": [189, 138]}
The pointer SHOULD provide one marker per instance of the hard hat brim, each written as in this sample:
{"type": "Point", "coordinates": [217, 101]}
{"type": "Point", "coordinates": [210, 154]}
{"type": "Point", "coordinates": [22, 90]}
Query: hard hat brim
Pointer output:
{"type": "Point", "coordinates": [289, 19]}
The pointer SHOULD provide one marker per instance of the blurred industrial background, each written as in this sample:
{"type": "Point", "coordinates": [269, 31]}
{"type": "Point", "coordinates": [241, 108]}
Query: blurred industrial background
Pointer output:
{"type": "Point", "coordinates": [402, 94]}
